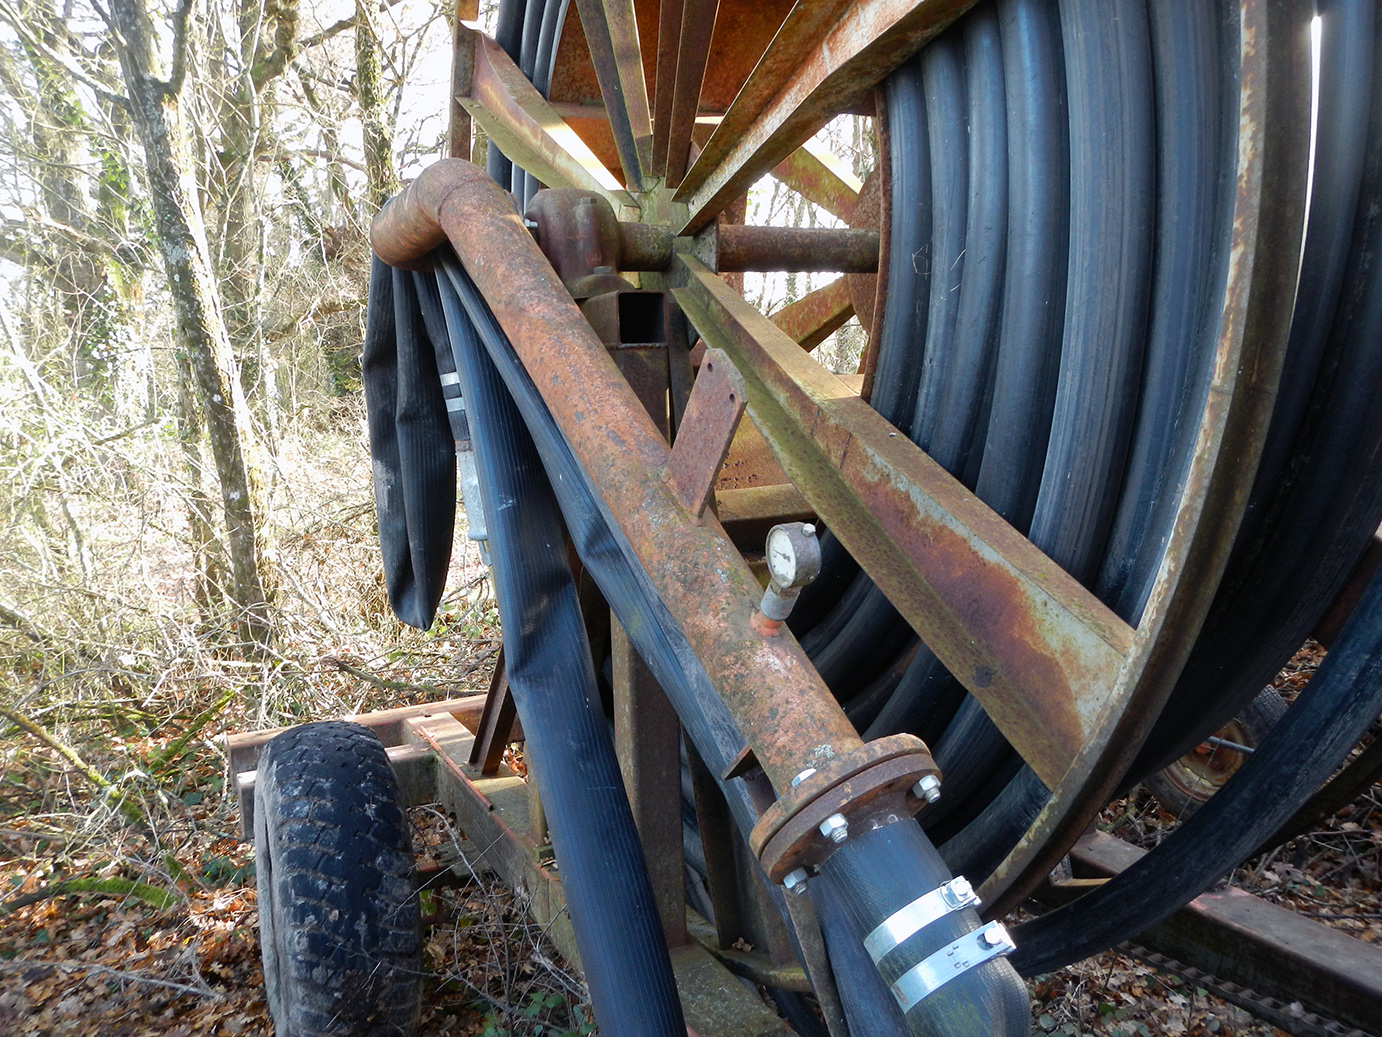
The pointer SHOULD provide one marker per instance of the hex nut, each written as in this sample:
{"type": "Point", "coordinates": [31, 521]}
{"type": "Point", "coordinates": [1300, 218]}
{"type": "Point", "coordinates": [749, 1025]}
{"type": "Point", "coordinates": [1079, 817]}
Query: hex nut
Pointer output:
{"type": "Point", "coordinates": [795, 882]}
{"type": "Point", "coordinates": [928, 788]}
{"type": "Point", "coordinates": [835, 828]}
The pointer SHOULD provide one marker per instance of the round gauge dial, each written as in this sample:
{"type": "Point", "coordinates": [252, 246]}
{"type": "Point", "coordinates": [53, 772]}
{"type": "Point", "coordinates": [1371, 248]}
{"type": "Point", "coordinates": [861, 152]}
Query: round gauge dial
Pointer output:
{"type": "Point", "coordinates": [782, 557]}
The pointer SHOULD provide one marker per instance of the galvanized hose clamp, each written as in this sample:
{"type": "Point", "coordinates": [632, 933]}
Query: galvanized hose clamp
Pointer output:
{"type": "Point", "coordinates": [954, 959]}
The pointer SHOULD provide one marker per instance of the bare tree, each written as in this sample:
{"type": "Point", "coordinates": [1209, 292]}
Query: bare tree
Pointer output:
{"type": "Point", "coordinates": [155, 112]}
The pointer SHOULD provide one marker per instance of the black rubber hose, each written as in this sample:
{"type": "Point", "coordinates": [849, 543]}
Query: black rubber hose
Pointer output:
{"type": "Point", "coordinates": [866, 876]}
{"type": "Point", "coordinates": [1109, 84]}
{"type": "Point", "coordinates": [623, 952]}
{"type": "Point", "coordinates": [969, 751]}
{"type": "Point", "coordinates": [508, 33]}
{"type": "Point", "coordinates": [978, 848]}
{"type": "Point", "coordinates": [1330, 715]}
{"type": "Point", "coordinates": [957, 443]}
{"type": "Point", "coordinates": [909, 259]}
{"type": "Point", "coordinates": [871, 636]}
{"type": "Point", "coordinates": [1034, 287]}
{"type": "Point", "coordinates": [1197, 122]}
{"type": "Point", "coordinates": [414, 462]}
{"type": "Point", "coordinates": [943, 78]}
{"type": "Point", "coordinates": [1324, 506]}
{"type": "Point", "coordinates": [613, 565]}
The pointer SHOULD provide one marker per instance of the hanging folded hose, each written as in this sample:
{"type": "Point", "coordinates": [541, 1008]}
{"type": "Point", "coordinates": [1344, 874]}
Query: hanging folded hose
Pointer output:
{"type": "Point", "coordinates": [548, 660]}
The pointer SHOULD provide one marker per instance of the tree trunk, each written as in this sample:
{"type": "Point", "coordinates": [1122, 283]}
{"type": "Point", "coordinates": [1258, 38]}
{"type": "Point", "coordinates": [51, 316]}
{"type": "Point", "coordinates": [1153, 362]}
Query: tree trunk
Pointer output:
{"type": "Point", "coordinates": [369, 92]}
{"type": "Point", "coordinates": [200, 328]}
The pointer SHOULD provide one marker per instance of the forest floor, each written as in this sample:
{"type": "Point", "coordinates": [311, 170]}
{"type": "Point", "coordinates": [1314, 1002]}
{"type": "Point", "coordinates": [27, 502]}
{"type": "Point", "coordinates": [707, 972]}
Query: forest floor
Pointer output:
{"type": "Point", "coordinates": [127, 900]}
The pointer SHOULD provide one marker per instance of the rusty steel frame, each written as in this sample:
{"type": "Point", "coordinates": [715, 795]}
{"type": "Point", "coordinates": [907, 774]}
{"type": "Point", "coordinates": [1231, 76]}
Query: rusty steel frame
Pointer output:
{"type": "Point", "coordinates": [813, 317]}
{"type": "Point", "coordinates": [1037, 648]}
{"type": "Point", "coordinates": [1072, 686]}
{"type": "Point", "coordinates": [611, 30]}
{"type": "Point", "coordinates": [523, 124]}
{"type": "Point", "coordinates": [791, 722]}
{"type": "Point", "coordinates": [819, 177]}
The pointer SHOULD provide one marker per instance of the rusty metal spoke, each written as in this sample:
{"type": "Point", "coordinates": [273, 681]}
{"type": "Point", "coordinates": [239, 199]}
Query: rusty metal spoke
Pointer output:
{"type": "Point", "coordinates": [693, 51]}
{"type": "Point", "coordinates": [815, 315]}
{"type": "Point", "coordinates": [525, 126]}
{"type": "Point", "coordinates": [611, 29]}
{"type": "Point", "coordinates": [1039, 650]}
{"type": "Point", "coordinates": [668, 46]}
{"type": "Point", "coordinates": [819, 176]}
{"type": "Point", "coordinates": [823, 61]}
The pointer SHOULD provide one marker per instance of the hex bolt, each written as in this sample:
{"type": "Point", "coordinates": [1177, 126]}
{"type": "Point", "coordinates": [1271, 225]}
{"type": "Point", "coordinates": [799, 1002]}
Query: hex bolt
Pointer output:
{"type": "Point", "coordinates": [795, 882]}
{"type": "Point", "coordinates": [928, 788]}
{"type": "Point", "coordinates": [835, 828]}
{"type": "Point", "coordinates": [994, 937]}
{"type": "Point", "coordinates": [803, 776]}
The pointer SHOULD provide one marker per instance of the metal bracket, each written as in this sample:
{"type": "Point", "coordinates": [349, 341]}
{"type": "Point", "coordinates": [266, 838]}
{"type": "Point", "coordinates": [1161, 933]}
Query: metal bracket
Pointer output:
{"type": "Point", "coordinates": [712, 414]}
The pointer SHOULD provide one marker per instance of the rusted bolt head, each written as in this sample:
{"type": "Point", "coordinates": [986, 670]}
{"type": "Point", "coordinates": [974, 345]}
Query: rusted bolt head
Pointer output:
{"type": "Point", "coordinates": [835, 828]}
{"type": "Point", "coordinates": [928, 788]}
{"type": "Point", "coordinates": [803, 776]}
{"type": "Point", "coordinates": [795, 882]}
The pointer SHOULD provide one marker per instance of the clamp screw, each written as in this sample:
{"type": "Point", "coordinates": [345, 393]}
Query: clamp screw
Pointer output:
{"type": "Point", "coordinates": [795, 882]}
{"type": "Point", "coordinates": [835, 828]}
{"type": "Point", "coordinates": [928, 788]}
{"type": "Point", "coordinates": [995, 937]}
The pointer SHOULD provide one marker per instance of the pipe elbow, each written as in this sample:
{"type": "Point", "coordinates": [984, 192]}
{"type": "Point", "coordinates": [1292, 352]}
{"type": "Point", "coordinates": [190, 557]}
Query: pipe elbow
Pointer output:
{"type": "Point", "coordinates": [411, 225]}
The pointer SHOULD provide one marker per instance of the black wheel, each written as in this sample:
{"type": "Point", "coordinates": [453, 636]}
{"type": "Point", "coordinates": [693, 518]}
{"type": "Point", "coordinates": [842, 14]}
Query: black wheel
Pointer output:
{"type": "Point", "coordinates": [338, 912]}
{"type": "Point", "coordinates": [1186, 785]}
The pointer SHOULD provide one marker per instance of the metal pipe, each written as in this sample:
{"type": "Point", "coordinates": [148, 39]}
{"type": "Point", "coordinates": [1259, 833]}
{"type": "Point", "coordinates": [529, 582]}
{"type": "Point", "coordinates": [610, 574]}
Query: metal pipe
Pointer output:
{"type": "Point", "coordinates": [849, 251]}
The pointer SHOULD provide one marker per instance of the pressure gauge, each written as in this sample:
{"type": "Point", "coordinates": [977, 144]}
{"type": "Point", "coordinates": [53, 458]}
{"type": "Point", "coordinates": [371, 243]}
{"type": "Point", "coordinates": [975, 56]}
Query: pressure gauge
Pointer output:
{"type": "Point", "coordinates": [794, 554]}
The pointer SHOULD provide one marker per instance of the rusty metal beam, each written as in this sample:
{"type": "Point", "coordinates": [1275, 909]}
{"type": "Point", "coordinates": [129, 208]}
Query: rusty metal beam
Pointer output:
{"type": "Point", "coordinates": [824, 59]}
{"type": "Point", "coordinates": [611, 30]}
{"type": "Point", "coordinates": [458, 121]}
{"type": "Point", "coordinates": [647, 738]}
{"type": "Point", "coordinates": [810, 319]}
{"type": "Point", "coordinates": [1039, 650]}
{"type": "Point", "coordinates": [737, 247]}
{"type": "Point", "coordinates": [668, 43]}
{"type": "Point", "coordinates": [524, 126]}
{"type": "Point", "coordinates": [817, 175]}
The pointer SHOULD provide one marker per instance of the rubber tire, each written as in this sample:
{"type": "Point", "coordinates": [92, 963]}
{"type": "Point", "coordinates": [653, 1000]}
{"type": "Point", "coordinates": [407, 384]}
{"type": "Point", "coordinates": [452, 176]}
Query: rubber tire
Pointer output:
{"type": "Point", "coordinates": [339, 924]}
{"type": "Point", "coordinates": [1182, 788]}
